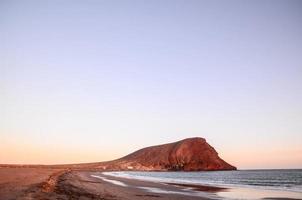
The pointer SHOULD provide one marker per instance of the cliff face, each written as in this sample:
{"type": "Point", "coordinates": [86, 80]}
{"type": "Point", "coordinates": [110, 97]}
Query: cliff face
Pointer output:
{"type": "Point", "coordinates": [193, 154]}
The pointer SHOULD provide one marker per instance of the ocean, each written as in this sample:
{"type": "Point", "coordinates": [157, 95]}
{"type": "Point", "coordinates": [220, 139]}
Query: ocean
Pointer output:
{"type": "Point", "coordinates": [286, 183]}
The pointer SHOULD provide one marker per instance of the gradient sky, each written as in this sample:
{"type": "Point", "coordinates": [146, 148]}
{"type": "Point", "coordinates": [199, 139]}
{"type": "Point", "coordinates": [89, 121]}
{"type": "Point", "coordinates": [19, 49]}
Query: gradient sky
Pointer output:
{"type": "Point", "coordinates": [84, 81]}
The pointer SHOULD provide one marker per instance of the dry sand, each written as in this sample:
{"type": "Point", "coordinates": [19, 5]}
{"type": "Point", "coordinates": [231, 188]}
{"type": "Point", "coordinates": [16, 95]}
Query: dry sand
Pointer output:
{"type": "Point", "coordinates": [15, 182]}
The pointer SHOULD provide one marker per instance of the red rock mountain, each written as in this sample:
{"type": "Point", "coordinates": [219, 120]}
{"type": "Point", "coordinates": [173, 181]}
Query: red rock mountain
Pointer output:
{"type": "Point", "coordinates": [192, 154]}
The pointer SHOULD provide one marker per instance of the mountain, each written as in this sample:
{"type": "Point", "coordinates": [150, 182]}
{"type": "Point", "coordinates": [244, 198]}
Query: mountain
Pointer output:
{"type": "Point", "coordinates": [192, 154]}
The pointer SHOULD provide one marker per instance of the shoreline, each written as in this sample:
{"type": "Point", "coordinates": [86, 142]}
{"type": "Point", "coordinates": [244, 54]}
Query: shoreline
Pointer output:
{"type": "Point", "coordinates": [226, 191]}
{"type": "Point", "coordinates": [51, 184]}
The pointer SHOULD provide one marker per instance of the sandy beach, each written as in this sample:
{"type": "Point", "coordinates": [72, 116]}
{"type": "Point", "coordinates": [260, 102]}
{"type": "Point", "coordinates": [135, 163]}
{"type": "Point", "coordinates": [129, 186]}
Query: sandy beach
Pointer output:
{"type": "Point", "coordinates": [49, 184]}
{"type": "Point", "coordinates": [31, 183]}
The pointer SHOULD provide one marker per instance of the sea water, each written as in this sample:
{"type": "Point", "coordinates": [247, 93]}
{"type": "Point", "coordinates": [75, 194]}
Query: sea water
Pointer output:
{"type": "Point", "coordinates": [279, 183]}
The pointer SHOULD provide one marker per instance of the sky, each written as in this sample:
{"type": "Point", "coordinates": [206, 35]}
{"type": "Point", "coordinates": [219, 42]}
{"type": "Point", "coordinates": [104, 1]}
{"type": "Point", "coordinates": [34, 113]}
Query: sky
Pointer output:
{"type": "Point", "coordinates": [87, 81]}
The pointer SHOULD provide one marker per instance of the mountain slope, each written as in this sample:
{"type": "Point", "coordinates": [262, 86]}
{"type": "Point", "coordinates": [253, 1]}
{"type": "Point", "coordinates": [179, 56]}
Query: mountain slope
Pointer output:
{"type": "Point", "coordinates": [192, 154]}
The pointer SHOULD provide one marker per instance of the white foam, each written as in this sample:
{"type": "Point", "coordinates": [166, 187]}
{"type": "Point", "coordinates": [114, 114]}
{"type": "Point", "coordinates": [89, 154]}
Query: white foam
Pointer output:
{"type": "Point", "coordinates": [115, 182]}
{"type": "Point", "coordinates": [130, 176]}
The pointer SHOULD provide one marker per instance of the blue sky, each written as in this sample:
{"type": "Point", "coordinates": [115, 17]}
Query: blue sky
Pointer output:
{"type": "Point", "coordinates": [85, 81]}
